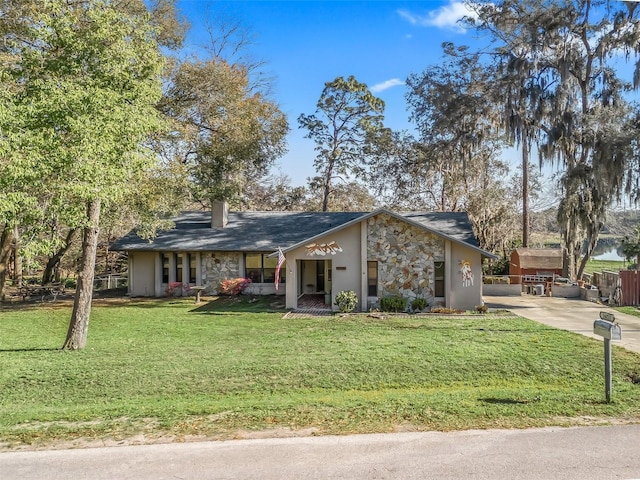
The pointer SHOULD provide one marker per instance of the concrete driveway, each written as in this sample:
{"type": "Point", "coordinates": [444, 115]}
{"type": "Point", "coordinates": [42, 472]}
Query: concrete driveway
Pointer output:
{"type": "Point", "coordinates": [570, 314]}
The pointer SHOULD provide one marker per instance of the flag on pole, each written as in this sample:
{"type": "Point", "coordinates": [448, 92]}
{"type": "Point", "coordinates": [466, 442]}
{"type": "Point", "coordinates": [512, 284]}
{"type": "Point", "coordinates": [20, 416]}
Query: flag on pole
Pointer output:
{"type": "Point", "coordinates": [281, 260]}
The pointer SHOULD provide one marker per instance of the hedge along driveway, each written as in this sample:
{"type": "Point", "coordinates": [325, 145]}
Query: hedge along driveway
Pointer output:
{"type": "Point", "coordinates": [165, 369]}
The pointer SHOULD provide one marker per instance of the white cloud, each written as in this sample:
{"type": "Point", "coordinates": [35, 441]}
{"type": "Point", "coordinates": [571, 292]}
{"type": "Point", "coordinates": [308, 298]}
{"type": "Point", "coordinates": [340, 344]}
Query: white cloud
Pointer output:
{"type": "Point", "coordinates": [380, 87]}
{"type": "Point", "coordinates": [446, 16]}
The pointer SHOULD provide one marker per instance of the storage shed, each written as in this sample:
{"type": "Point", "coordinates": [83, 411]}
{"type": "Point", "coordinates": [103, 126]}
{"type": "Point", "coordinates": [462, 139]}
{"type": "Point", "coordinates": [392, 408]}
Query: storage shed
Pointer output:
{"type": "Point", "coordinates": [537, 264]}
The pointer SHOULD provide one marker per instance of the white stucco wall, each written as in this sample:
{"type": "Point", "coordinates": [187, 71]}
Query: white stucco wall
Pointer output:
{"type": "Point", "coordinates": [464, 295]}
{"type": "Point", "coordinates": [142, 274]}
{"type": "Point", "coordinates": [346, 266]}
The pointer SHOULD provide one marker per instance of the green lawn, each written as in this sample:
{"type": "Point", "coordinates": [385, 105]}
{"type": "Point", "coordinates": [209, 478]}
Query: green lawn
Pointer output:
{"type": "Point", "coordinates": [167, 368]}
{"type": "Point", "coordinates": [600, 265]}
{"type": "Point", "coordinates": [629, 310]}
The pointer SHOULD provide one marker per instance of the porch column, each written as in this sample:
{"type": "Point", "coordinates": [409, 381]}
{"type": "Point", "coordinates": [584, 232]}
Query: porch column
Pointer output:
{"type": "Point", "coordinates": [198, 269]}
{"type": "Point", "coordinates": [448, 273]}
{"type": "Point", "coordinates": [364, 287]}
{"type": "Point", "coordinates": [131, 273]}
{"type": "Point", "coordinates": [185, 268]}
{"type": "Point", "coordinates": [158, 275]}
{"type": "Point", "coordinates": [291, 294]}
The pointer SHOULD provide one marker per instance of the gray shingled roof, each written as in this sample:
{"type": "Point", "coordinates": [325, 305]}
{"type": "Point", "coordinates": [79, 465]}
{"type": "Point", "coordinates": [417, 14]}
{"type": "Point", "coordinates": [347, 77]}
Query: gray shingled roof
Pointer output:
{"type": "Point", "coordinates": [452, 224]}
{"type": "Point", "coordinates": [266, 231]}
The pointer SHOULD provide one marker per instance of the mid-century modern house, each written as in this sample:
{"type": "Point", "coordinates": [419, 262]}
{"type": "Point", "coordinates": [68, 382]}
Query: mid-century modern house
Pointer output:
{"type": "Point", "coordinates": [383, 253]}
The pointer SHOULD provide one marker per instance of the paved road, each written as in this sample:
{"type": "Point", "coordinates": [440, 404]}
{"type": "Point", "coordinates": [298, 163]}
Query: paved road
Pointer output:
{"type": "Point", "coordinates": [560, 453]}
{"type": "Point", "coordinates": [570, 314]}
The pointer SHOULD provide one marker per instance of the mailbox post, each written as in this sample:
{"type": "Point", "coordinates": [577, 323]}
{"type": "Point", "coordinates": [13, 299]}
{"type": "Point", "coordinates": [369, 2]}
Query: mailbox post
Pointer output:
{"type": "Point", "coordinates": [606, 327]}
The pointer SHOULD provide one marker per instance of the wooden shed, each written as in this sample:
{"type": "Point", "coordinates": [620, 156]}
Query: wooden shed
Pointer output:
{"type": "Point", "coordinates": [536, 264]}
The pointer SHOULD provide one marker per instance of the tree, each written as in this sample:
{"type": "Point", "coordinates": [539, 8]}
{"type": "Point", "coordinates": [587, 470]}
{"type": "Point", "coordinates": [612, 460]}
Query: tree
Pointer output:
{"type": "Point", "coordinates": [37, 201]}
{"type": "Point", "coordinates": [344, 197]}
{"type": "Point", "coordinates": [225, 132]}
{"type": "Point", "coordinates": [580, 118]}
{"type": "Point", "coordinates": [347, 114]}
{"type": "Point", "coordinates": [85, 78]}
{"type": "Point", "coordinates": [631, 246]}
{"type": "Point", "coordinates": [519, 113]}
{"type": "Point", "coordinates": [273, 193]}
{"type": "Point", "coordinates": [453, 107]}
{"type": "Point", "coordinates": [454, 164]}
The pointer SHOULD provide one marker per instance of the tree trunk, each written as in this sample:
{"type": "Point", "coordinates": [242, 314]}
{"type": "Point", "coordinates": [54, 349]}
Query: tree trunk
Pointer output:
{"type": "Point", "coordinates": [592, 242]}
{"type": "Point", "coordinates": [585, 259]}
{"type": "Point", "coordinates": [17, 259]}
{"type": "Point", "coordinates": [525, 193]}
{"type": "Point", "coordinates": [568, 237]}
{"type": "Point", "coordinates": [327, 186]}
{"type": "Point", "coordinates": [6, 240]}
{"type": "Point", "coordinates": [54, 261]}
{"type": "Point", "coordinates": [325, 197]}
{"type": "Point", "coordinates": [79, 324]}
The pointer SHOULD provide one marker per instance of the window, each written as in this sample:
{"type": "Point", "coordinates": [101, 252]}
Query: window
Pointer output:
{"type": "Point", "coordinates": [438, 288]}
{"type": "Point", "coordinates": [261, 268]}
{"type": "Point", "coordinates": [178, 259]}
{"type": "Point", "coordinates": [253, 267]}
{"type": "Point", "coordinates": [165, 268]}
{"type": "Point", "coordinates": [372, 279]}
{"type": "Point", "coordinates": [192, 267]}
{"type": "Point", "coordinates": [269, 269]}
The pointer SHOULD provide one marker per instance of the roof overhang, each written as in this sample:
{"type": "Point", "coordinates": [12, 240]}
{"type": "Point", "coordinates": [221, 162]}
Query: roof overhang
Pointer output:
{"type": "Point", "coordinates": [398, 216]}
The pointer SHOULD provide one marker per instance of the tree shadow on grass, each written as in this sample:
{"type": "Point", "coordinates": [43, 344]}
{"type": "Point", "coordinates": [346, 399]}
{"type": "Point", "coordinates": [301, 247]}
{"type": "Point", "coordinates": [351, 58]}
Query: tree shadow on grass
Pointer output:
{"type": "Point", "coordinates": [225, 305]}
{"type": "Point", "coordinates": [34, 349]}
{"type": "Point", "coordinates": [504, 401]}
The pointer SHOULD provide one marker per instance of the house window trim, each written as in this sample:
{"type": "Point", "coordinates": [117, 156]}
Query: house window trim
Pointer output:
{"type": "Point", "coordinates": [442, 279]}
{"type": "Point", "coordinates": [178, 261]}
{"type": "Point", "coordinates": [369, 278]}
{"type": "Point", "coordinates": [165, 278]}
{"type": "Point", "coordinates": [263, 256]}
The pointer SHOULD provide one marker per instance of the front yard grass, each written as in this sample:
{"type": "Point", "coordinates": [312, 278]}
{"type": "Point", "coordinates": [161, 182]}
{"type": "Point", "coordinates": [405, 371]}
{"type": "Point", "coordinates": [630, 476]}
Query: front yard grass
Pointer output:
{"type": "Point", "coordinates": [171, 370]}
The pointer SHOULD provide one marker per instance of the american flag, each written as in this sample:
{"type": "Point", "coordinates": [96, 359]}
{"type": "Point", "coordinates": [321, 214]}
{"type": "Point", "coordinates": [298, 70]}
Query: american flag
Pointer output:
{"type": "Point", "coordinates": [281, 260]}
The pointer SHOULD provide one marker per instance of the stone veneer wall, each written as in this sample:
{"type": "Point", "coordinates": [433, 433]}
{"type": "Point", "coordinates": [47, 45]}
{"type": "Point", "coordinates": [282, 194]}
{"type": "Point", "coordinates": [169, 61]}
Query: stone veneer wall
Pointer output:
{"type": "Point", "coordinates": [405, 256]}
{"type": "Point", "coordinates": [218, 266]}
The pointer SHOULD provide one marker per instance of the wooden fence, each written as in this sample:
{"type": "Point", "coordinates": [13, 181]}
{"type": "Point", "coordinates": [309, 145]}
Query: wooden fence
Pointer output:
{"type": "Point", "coordinates": [630, 284]}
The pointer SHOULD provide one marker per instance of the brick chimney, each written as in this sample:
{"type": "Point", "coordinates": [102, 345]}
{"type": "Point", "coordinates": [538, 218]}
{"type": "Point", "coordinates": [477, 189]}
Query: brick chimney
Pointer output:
{"type": "Point", "coordinates": [219, 214]}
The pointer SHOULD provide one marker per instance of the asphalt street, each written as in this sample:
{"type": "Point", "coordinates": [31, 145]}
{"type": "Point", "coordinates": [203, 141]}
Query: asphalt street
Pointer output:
{"type": "Point", "coordinates": [611, 452]}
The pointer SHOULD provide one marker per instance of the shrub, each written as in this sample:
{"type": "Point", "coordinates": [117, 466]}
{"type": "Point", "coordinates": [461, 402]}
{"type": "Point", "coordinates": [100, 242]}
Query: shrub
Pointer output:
{"type": "Point", "coordinates": [176, 287]}
{"type": "Point", "coordinates": [393, 304]}
{"type": "Point", "coordinates": [446, 310]}
{"type": "Point", "coordinates": [482, 308]}
{"type": "Point", "coordinates": [419, 303]}
{"type": "Point", "coordinates": [234, 286]}
{"type": "Point", "coordinates": [346, 301]}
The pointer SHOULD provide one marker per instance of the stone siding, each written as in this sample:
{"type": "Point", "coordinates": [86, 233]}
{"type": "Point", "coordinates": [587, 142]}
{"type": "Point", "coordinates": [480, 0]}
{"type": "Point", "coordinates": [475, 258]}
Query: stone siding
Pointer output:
{"type": "Point", "coordinates": [218, 266]}
{"type": "Point", "coordinates": [405, 256]}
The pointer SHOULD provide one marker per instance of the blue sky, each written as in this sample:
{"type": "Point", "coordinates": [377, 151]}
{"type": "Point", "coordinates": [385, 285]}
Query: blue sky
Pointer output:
{"type": "Point", "coordinates": [308, 43]}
